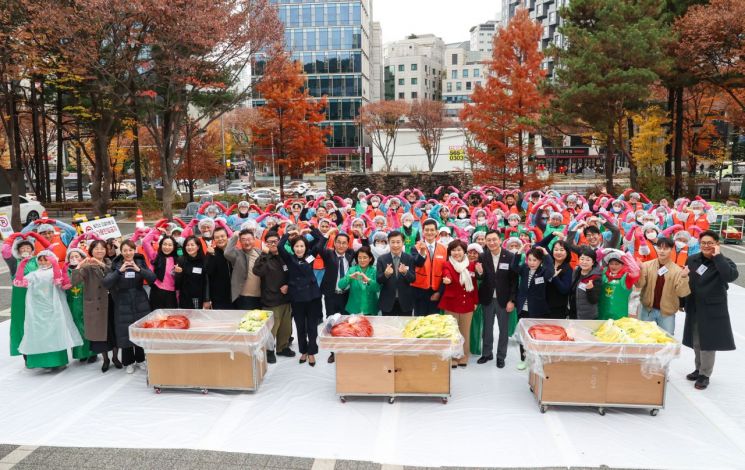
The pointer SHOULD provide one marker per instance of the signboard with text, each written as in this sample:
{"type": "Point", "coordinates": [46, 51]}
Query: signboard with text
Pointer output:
{"type": "Point", "coordinates": [5, 228]}
{"type": "Point", "coordinates": [566, 152]}
{"type": "Point", "coordinates": [457, 153]}
{"type": "Point", "coordinates": [105, 227]}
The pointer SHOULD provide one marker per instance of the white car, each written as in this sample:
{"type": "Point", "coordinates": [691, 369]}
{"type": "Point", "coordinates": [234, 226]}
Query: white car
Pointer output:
{"type": "Point", "coordinates": [236, 189]}
{"type": "Point", "coordinates": [30, 210]}
{"type": "Point", "coordinates": [205, 194]}
{"type": "Point", "coordinates": [264, 196]}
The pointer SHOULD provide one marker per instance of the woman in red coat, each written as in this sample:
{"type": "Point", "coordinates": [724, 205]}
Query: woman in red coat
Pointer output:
{"type": "Point", "coordinates": [459, 292]}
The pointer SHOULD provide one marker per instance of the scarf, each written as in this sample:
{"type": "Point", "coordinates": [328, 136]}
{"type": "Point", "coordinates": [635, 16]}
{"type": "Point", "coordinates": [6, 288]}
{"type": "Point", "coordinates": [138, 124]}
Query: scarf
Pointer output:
{"type": "Point", "coordinates": [465, 275]}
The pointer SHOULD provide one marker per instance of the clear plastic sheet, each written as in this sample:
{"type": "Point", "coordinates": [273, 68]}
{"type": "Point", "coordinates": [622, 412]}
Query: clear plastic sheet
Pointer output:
{"type": "Point", "coordinates": [387, 339]}
{"type": "Point", "coordinates": [654, 358]}
{"type": "Point", "coordinates": [210, 331]}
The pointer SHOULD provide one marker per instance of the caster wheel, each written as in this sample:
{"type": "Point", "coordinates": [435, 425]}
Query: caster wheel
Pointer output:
{"type": "Point", "coordinates": [654, 412]}
{"type": "Point", "coordinates": [543, 409]}
{"type": "Point", "coordinates": [444, 401]}
{"type": "Point", "coordinates": [157, 390]}
{"type": "Point", "coordinates": [601, 411]}
{"type": "Point", "coordinates": [343, 399]}
{"type": "Point", "coordinates": [391, 400]}
{"type": "Point", "coordinates": [205, 391]}
{"type": "Point", "coordinates": [531, 390]}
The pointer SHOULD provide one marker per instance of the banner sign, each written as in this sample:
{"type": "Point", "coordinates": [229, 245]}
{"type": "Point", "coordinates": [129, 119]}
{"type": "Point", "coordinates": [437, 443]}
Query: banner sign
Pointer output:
{"type": "Point", "coordinates": [5, 228]}
{"type": "Point", "coordinates": [105, 227]}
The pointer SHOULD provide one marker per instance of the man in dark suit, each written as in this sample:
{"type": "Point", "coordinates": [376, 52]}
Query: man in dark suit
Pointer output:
{"type": "Point", "coordinates": [395, 275]}
{"type": "Point", "coordinates": [497, 294]}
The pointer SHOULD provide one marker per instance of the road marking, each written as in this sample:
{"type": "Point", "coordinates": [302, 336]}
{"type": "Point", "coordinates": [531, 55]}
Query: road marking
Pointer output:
{"type": "Point", "coordinates": [16, 456]}
{"type": "Point", "coordinates": [323, 464]}
{"type": "Point", "coordinates": [6, 287]}
{"type": "Point", "coordinates": [5, 313]}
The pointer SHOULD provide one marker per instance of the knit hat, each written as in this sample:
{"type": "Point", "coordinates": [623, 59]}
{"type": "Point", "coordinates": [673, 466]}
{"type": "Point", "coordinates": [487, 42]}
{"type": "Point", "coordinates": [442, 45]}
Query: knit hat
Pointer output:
{"type": "Point", "coordinates": [70, 251]}
{"type": "Point", "coordinates": [45, 228]}
{"type": "Point", "coordinates": [475, 247]}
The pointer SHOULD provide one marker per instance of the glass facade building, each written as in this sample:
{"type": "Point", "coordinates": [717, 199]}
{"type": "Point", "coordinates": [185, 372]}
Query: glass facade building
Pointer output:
{"type": "Point", "coordinates": [331, 39]}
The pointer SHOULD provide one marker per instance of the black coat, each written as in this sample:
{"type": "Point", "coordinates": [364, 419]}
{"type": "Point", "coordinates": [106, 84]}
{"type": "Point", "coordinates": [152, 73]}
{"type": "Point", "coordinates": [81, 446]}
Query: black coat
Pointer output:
{"type": "Point", "coordinates": [301, 280]}
{"type": "Point", "coordinates": [706, 307]}
{"type": "Point", "coordinates": [130, 299]}
{"type": "Point", "coordinates": [534, 292]}
{"type": "Point", "coordinates": [273, 273]}
{"type": "Point", "coordinates": [331, 263]}
{"type": "Point", "coordinates": [504, 280]}
{"type": "Point", "coordinates": [557, 292]}
{"type": "Point", "coordinates": [389, 285]}
{"type": "Point", "coordinates": [191, 282]}
{"type": "Point", "coordinates": [218, 280]}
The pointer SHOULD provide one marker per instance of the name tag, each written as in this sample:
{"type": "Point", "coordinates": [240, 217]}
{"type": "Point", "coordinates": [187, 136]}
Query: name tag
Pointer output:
{"type": "Point", "coordinates": [284, 267]}
{"type": "Point", "coordinates": [504, 266]}
{"type": "Point", "coordinates": [582, 286]}
{"type": "Point", "coordinates": [196, 270]}
{"type": "Point", "coordinates": [701, 270]}
{"type": "Point", "coordinates": [662, 271]}
{"type": "Point", "coordinates": [539, 280]}
{"type": "Point", "coordinates": [439, 257]}
{"type": "Point", "coordinates": [129, 275]}
{"type": "Point", "coordinates": [309, 259]}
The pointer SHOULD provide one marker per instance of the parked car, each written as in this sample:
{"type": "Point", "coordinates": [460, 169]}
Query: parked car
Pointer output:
{"type": "Point", "coordinates": [330, 168]}
{"type": "Point", "coordinates": [316, 193]}
{"type": "Point", "coordinates": [30, 210]}
{"type": "Point", "coordinates": [203, 195]}
{"type": "Point", "coordinates": [264, 196]}
{"type": "Point", "coordinates": [296, 187]}
{"type": "Point", "coordinates": [237, 189]}
{"type": "Point", "coordinates": [73, 195]}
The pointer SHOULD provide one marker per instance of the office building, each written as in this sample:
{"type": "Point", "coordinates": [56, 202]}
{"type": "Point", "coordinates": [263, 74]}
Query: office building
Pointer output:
{"type": "Point", "coordinates": [464, 71]}
{"type": "Point", "coordinates": [545, 12]}
{"type": "Point", "coordinates": [414, 68]}
{"type": "Point", "coordinates": [376, 64]}
{"type": "Point", "coordinates": [333, 40]}
{"type": "Point", "coordinates": [482, 36]}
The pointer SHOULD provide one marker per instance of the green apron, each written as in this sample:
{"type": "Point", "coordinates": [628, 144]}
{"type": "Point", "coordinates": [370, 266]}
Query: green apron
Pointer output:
{"type": "Point", "coordinates": [18, 311]}
{"type": "Point", "coordinates": [409, 240]}
{"type": "Point", "coordinates": [477, 329]}
{"type": "Point", "coordinates": [75, 302]}
{"type": "Point", "coordinates": [614, 299]}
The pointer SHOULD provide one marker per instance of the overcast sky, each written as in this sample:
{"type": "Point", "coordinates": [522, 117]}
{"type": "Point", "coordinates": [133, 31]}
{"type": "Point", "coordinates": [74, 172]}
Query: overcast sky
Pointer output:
{"type": "Point", "coordinates": [449, 19]}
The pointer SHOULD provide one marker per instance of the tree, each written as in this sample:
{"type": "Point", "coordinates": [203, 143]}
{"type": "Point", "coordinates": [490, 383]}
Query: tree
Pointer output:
{"type": "Point", "coordinates": [290, 118]}
{"type": "Point", "coordinates": [649, 142]}
{"type": "Point", "coordinates": [507, 108]}
{"type": "Point", "coordinates": [381, 121]}
{"type": "Point", "coordinates": [198, 53]}
{"type": "Point", "coordinates": [428, 119]}
{"type": "Point", "coordinates": [614, 54]}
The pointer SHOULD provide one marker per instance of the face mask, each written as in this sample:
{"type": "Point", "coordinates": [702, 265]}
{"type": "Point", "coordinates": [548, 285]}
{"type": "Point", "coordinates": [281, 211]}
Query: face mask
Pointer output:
{"type": "Point", "coordinates": [462, 216]}
{"type": "Point", "coordinates": [25, 255]}
{"type": "Point", "coordinates": [696, 212]}
{"type": "Point", "coordinates": [180, 240]}
{"type": "Point", "coordinates": [445, 240]}
{"type": "Point", "coordinates": [375, 204]}
{"type": "Point", "coordinates": [73, 263]}
{"type": "Point", "coordinates": [489, 198]}
{"type": "Point", "coordinates": [481, 221]}
{"type": "Point", "coordinates": [380, 250]}
{"type": "Point", "coordinates": [680, 245]}
{"type": "Point", "coordinates": [206, 234]}
{"type": "Point", "coordinates": [407, 224]}
{"type": "Point", "coordinates": [616, 209]}
{"type": "Point", "coordinates": [651, 236]}
{"type": "Point", "coordinates": [513, 250]}
{"type": "Point", "coordinates": [639, 221]}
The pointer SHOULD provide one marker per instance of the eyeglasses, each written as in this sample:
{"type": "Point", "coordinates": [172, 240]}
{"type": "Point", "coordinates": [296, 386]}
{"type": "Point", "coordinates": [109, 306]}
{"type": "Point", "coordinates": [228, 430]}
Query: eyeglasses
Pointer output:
{"type": "Point", "coordinates": [708, 243]}
{"type": "Point", "coordinates": [273, 242]}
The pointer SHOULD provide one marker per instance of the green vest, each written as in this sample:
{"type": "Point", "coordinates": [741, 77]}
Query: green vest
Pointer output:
{"type": "Point", "coordinates": [614, 298]}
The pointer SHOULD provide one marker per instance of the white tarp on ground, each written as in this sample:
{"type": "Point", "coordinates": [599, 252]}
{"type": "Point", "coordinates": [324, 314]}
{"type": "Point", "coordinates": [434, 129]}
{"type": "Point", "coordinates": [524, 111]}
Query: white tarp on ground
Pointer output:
{"type": "Point", "coordinates": [492, 418]}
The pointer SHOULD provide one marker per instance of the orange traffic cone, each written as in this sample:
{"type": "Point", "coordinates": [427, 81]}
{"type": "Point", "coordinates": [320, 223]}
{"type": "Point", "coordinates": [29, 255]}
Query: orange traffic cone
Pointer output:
{"type": "Point", "coordinates": [139, 220]}
{"type": "Point", "coordinates": [44, 214]}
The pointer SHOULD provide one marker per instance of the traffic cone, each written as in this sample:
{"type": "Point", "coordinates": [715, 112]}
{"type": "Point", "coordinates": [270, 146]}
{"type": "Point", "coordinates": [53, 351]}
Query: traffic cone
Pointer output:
{"type": "Point", "coordinates": [139, 221]}
{"type": "Point", "coordinates": [44, 214]}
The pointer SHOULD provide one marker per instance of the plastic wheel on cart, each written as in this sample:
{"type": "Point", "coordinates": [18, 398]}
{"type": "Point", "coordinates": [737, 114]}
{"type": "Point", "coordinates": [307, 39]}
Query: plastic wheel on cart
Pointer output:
{"type": "Point", "coordinates": [157, 390]}
{"type": "Point", "coordinates": [391, 400]}
{"type": "Point", "coordinates": [601, 411]}
{"type": "Point", "coordinates": [343, 399]}
{"type": "Point", "coordinates": [543, 408]}
{"type": "Point", "coordinates": [204, 391]}
{"type": "Point", "coordinates": [444, 400]}
{"type": "Point", "coordinates": [654, 412]}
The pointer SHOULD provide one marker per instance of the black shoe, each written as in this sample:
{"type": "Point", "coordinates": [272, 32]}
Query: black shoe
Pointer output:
{"type": "Point", "coordinates": [301, 360]}
{"type": "Point", "coordinates": [92, 359]}
{"type": "Point", "coordinates": [117, 363]}
{"type": "Point", "coordinates": [105, 365]}
{"type": "Point", "coordinates": [331, 358]}
{"type": "Point", "coordinates": [462, 365]}
{"type": "Point", "coordinates": [270, 357]}
{"type": "Point", "coordinates": [500, 363]}
{"type": "Point", "coordinates": [485, 359]}
{"type": "Point", "coordinates": [286, 352]}
{"type": "Point", "coordinates": [701, 382]}
{"type": "Point", "coordinates": [693, 376]}
{"type": "Point", "coordinates": [312, 362]}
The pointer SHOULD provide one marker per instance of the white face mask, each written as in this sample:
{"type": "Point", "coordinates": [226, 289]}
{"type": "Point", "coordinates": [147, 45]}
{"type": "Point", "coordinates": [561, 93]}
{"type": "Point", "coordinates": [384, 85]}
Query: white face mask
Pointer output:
{"type": "Point", "coordinates": [696, 212]}
{"type": "Point", "coordinates": [513, 250]}
{"type": "Point", "coordinates": [180, 240]}
{"type": "Point", "coordinates": [445, 240]}
{"type": "Point", "coordinates": [489, 198]}
{"type": "Point", "coordinates": [25, 255]}
{"type": "Point", "coordinates": [375, 204]}
{"type": "Point", "coordinates": [650, 235]}
{"type": "Point", "coordinates": [680, 245]}
{"type": "Point", "coordinates": [380, 250]}
{"type": "Point", "coordinates": [207, 234]}
{"type": "Point", "coordinates": [462, 216]}
{"type": "Point", "coordinates": [481, 221]}
{"type": "Point", "coordinates": [407, 224]}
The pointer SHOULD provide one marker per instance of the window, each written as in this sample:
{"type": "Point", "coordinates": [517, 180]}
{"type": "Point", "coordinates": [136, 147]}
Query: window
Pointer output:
{"type": "Point", "coordinates": [454, 74]}
{"type": "Point", "coordinates": [454, 59]}
{"type": "Point", "coordinates": [458, 86]}
{"type": "Point", "coordinates": [413, 67]}
{"type": "Point", "coordinates": [465, 73]}
{"type": "Point", "coordinates": [478, 83]}
{"type": "Point", "coordinates": [401, 96]}
{"type": "Point", "coordinates": [401, 67]}
{"type": "Point", "coordinates": [414, 95]}
{"type": "Point", "coordinates": [468, 86]}
{"type": "Point", "coordinates": [476, 73]}
{"type": "Point", "coordinates": [413, 81]}
{"type": "Point", "coordinates": [401, 81]}
{"type": "Point", "coordinates": [426, 82]}
{"type": "Point", "coordinates": [426, 68]}
{"type": "Point", "coordinates": [449, 87]}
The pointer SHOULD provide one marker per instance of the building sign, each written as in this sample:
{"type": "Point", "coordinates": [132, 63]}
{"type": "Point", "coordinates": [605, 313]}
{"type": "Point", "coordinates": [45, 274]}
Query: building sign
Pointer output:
{"type": "Point", "coordinates": [105, 227]}
{"type": "Point", "coordinates": [457, 153]}
{"type": "Point", "coordinates": [566, 152]}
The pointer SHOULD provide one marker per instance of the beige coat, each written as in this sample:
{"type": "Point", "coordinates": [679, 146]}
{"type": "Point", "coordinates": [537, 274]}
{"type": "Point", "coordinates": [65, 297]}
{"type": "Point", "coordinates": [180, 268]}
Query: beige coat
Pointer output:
{"type": "Point", "coordinates": [95, 300]}
{"type": "Point", "coordinates": [242, 281]}
{"type": "Point", "coordinates": [676, 286]}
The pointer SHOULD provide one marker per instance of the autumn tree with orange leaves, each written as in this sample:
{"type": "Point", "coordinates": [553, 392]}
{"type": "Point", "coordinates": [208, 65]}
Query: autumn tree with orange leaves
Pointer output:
{"type": "Point", "coordinates": [506, 109]}
{"type": "Point", "coordinates": [289, 125]}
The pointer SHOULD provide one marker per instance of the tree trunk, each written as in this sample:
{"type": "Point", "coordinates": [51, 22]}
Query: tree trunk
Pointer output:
{"type": "Point", "coordinates": [101, 184]}
{"type": "Point", "coordinates": [40, 187]}
{"type": "Point", "coordinates": [610, 160]}
{"type": "Point", "coordinates": [45, 143]}
{"type": "Point", "coordinates": [136, 156]}
{"type": "Point", "coordinates": [520, 163]}
{"type": "Point", "coordinates": [17, 181]}
{"type": "Point", "coordinates": [669, 130]}
{"type": "Point", "coordinates": [79, 171]}
{"type": "Point", "coordinates": [678, 147]}
{"type": "Point", "coordinates": [633, 170]}
{"type": "Point", "coordinates": [59, 191]}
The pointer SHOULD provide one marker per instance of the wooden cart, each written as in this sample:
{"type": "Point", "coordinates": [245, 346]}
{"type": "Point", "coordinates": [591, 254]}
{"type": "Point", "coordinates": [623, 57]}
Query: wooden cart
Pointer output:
{"type": "Point", "coordinates": [591, 373]}
{"type": "Point", "coordinates": [211, 355]}
{"type": "Point", "coordinates": [388, 365]}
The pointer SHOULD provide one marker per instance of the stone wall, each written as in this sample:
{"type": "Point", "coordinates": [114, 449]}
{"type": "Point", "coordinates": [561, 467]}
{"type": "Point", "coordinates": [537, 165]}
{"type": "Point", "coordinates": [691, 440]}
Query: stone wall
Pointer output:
{"type": "Point", "coordinates": [343, 183]}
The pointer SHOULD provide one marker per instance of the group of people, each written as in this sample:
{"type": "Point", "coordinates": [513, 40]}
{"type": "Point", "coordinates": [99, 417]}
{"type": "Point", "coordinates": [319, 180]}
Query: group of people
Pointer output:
{"type": "Point", "coordinates": [481, 255]}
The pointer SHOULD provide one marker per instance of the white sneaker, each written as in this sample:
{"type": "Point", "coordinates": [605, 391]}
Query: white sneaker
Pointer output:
{"type": "Point", "coordinates": [522, 365]}
{"type": "Point", "coordinates": [130, 369]}
{"type": "Point", "coordinates": [142, 366]}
